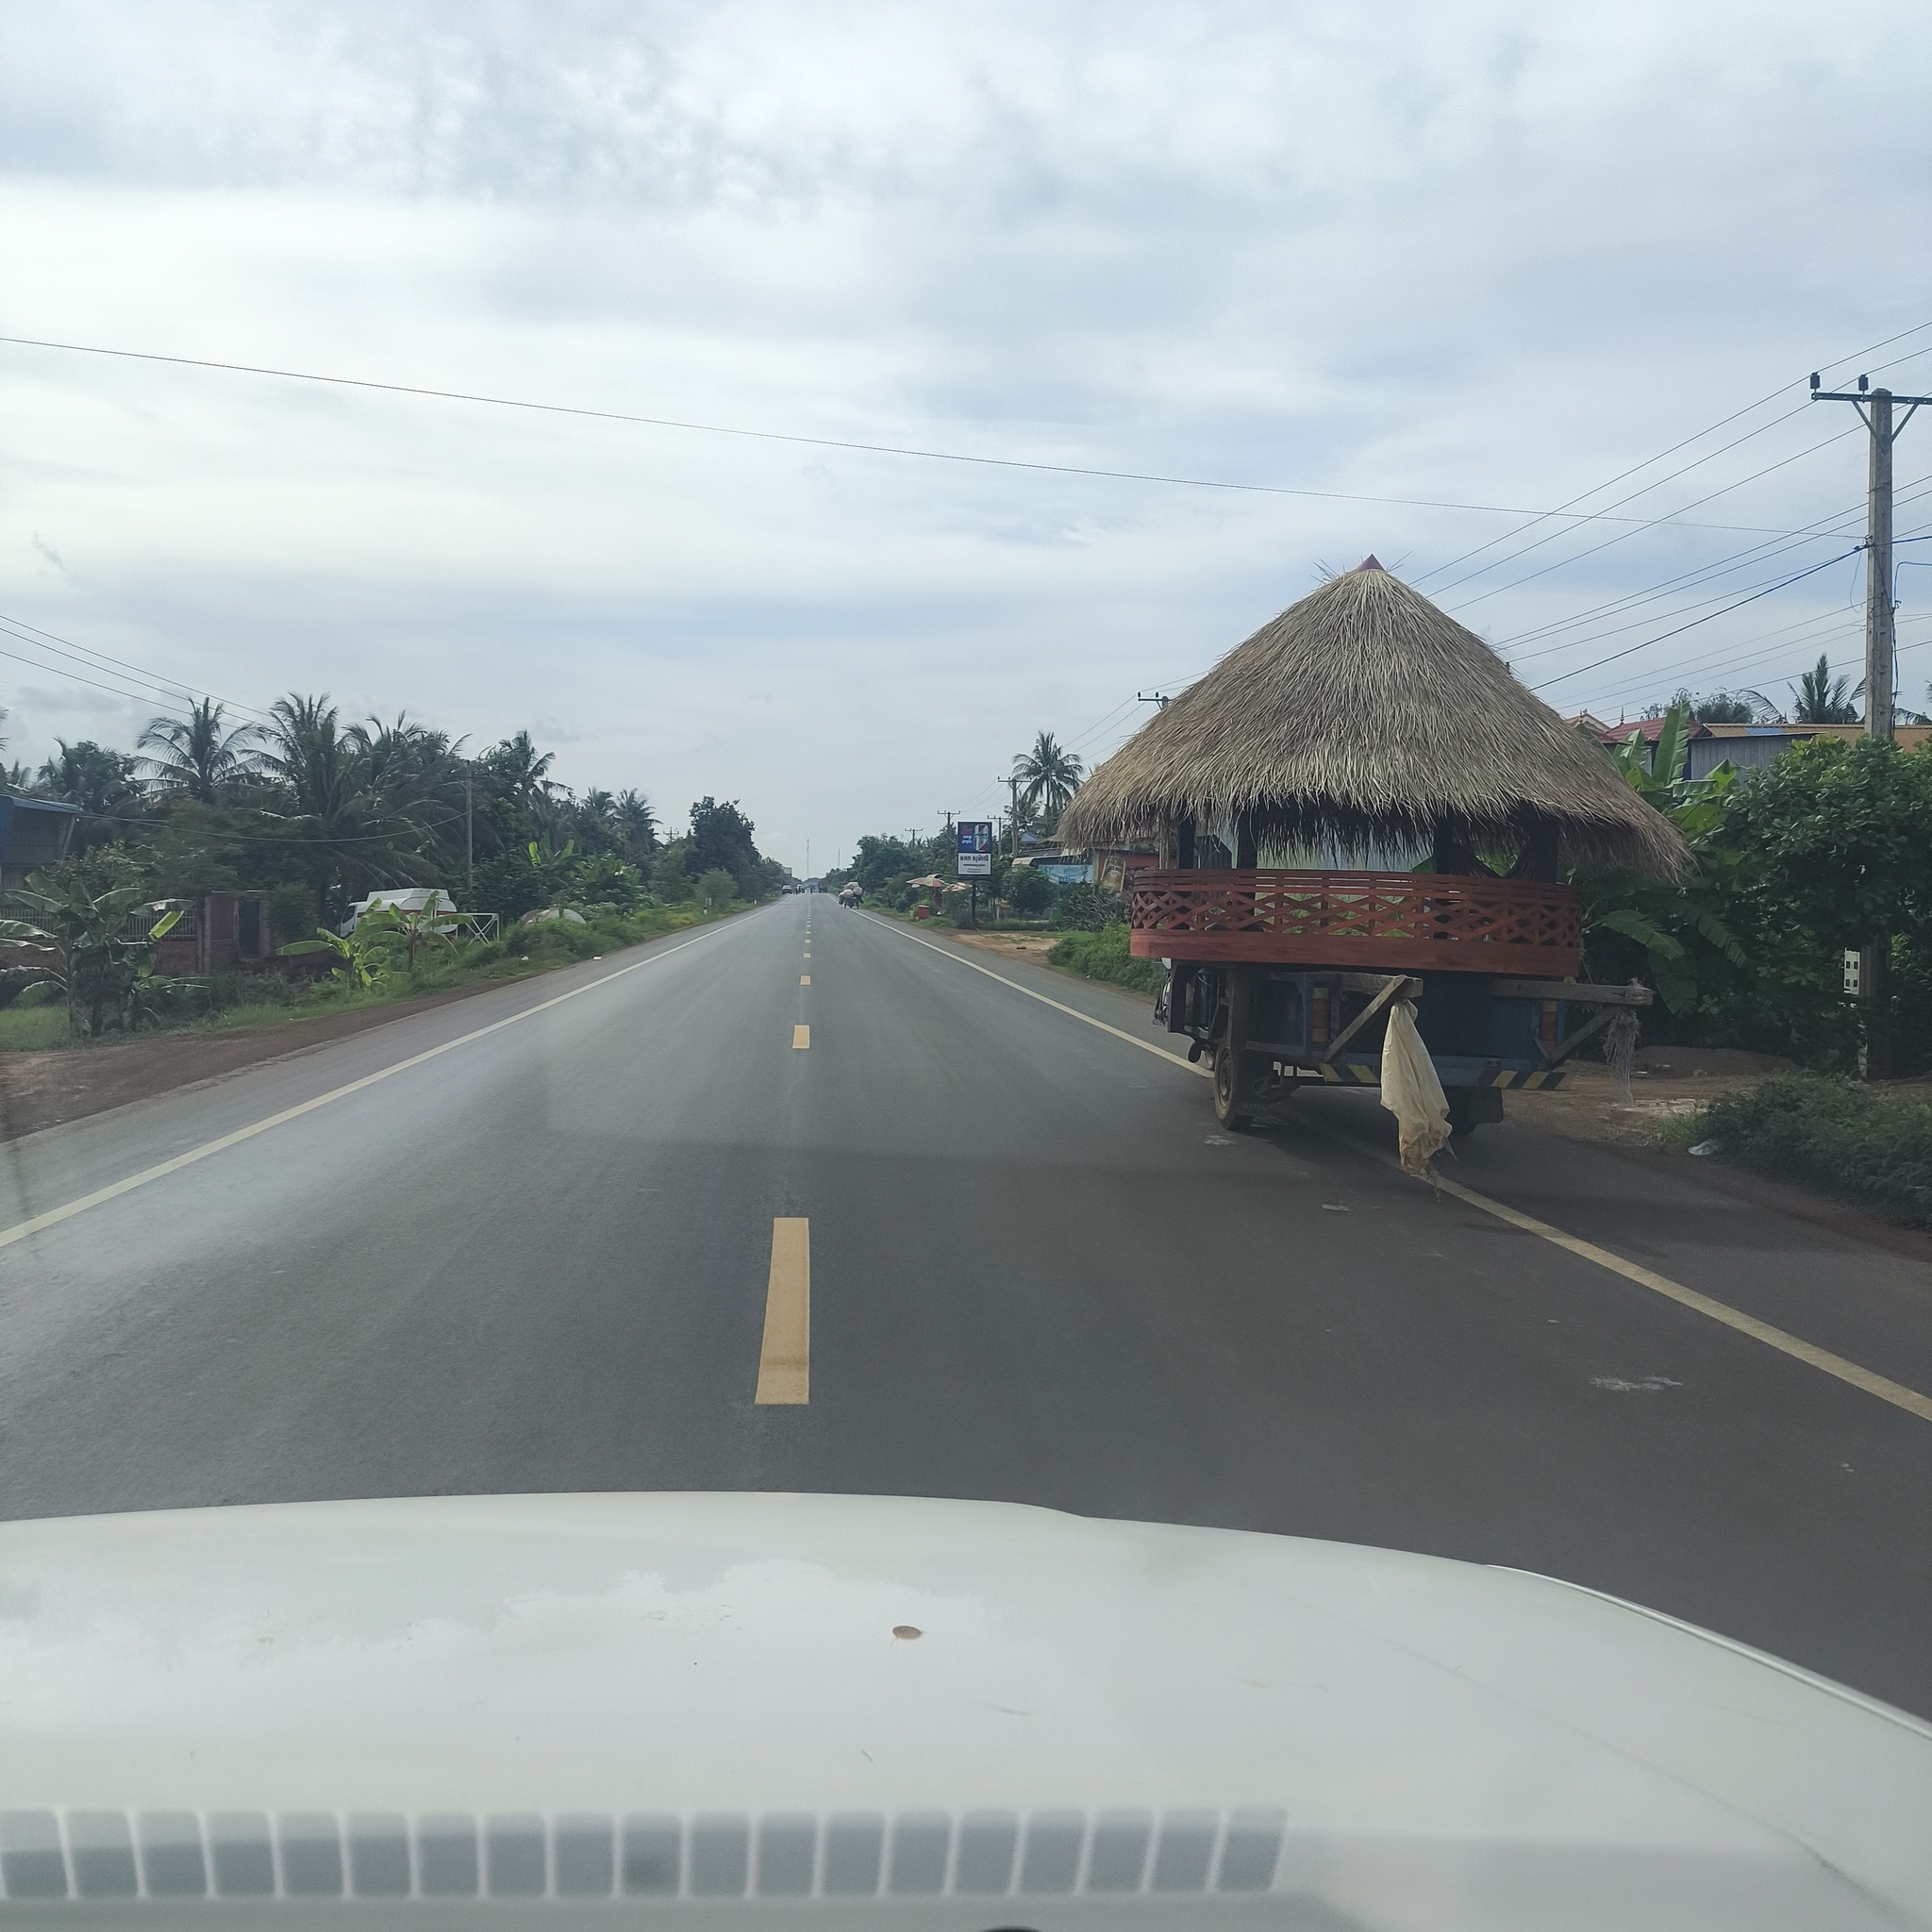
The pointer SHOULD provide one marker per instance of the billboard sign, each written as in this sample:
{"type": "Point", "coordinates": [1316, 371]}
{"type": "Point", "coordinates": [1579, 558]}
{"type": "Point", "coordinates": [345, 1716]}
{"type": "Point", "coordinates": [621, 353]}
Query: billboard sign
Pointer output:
{"type": "Point", "coordinates": [975, 848]}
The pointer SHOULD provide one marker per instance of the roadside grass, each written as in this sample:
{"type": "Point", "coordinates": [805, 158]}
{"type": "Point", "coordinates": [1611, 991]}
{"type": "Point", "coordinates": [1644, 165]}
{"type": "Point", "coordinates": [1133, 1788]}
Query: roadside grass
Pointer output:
{"type": "Point", "coordinates": [22, 1029]}
{"type": "Point", "coordinates": [1868, 1145]}
{"type": "Point", "coordinates": [524, 950]}
{"type": "Point", "coordinates": [1103, 955]}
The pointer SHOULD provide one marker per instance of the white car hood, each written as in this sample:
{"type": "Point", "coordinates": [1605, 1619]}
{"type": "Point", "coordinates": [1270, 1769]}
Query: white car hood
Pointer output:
{"type": "Point", "coordinates": [1241, 1724]}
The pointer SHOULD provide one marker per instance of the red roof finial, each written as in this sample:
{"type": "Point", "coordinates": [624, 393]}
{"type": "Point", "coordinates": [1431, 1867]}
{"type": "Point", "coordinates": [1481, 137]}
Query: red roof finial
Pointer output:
{"type": "Point", "coordinates": [1369, 562]}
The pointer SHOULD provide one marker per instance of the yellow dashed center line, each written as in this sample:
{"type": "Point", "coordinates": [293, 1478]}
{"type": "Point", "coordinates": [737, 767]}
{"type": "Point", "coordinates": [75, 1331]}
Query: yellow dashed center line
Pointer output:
{"type": "Point", "coordinates": [801, 1035]}
{"type": "Point", "coordinates": [785, 1354]}
{"type": "Point", "coordinates": [805, 980]}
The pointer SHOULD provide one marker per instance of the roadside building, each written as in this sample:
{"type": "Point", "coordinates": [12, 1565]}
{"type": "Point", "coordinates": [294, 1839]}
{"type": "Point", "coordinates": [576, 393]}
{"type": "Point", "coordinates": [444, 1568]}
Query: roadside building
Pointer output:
{"type": "Point", "coordinates": [33, 832]}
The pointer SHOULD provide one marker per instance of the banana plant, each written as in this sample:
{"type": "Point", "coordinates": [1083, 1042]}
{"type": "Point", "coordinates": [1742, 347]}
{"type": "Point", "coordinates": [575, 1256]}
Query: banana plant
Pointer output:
{"type": "Point", "coordinates": [362, 966]}
{"type": "Point", "coordinates": [91, 959]}
{"type": "Point", "coordinates": [394, 925]}
{"type": "Point", "coordinates": [1678, 923]}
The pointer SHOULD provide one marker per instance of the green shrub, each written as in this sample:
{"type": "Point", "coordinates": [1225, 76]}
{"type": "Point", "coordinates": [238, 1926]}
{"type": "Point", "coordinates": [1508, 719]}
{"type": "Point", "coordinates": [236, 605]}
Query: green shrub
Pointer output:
{"type": "Point", "coordinates": [1103, 955]}
{"type": "Point", "coordinates": [1865, 1144]}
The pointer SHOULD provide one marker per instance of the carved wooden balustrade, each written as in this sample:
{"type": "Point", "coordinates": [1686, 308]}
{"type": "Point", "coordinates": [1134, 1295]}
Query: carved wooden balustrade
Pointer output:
{"type": "Point", "coordinates": [1388, 921]}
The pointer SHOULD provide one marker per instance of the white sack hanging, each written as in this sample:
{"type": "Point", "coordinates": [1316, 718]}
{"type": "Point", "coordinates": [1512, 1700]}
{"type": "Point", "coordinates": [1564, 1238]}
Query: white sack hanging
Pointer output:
{"type": "Point", "coordinates": [1412, 1093]}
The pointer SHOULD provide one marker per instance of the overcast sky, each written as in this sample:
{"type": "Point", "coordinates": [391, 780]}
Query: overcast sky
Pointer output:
{"type": "Point", "coordinates": [1472, 254]}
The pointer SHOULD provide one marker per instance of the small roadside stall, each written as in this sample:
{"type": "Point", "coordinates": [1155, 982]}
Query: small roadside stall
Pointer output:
{"type": "Point", "coordinates": [934, 887]}
{"type": "Point", "coordinates": [1360, 808]}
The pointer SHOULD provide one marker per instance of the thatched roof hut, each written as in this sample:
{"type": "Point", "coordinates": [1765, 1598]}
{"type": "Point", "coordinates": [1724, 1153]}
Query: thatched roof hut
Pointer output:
{"type": "Point", "coordinates": [1364, 715]}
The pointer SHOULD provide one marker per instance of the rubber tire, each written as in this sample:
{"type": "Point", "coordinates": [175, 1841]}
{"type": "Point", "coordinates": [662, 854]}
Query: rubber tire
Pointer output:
{"type": "Point", "coordinates": [1224, 1093]}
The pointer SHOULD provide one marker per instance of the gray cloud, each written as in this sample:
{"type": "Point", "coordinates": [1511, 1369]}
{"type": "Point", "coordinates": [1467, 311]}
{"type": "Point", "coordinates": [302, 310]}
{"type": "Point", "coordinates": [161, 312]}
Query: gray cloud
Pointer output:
{"type": "Point", "coordinates": [1491, 254]}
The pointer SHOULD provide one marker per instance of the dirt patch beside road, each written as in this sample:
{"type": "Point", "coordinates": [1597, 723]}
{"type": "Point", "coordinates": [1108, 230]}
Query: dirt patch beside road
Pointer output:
{"type": "Point", "coordinates": [1666, 1080]}
{"type": "Point", "coordinates": [1012, 945]}
{"type": "Point", "coordinates": [41, 1090]}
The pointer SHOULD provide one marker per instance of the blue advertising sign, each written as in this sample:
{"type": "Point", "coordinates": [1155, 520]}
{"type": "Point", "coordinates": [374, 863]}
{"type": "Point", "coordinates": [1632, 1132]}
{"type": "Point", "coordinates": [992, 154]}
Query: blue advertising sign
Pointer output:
{"type": "Point", "coordinates": [975, 848]}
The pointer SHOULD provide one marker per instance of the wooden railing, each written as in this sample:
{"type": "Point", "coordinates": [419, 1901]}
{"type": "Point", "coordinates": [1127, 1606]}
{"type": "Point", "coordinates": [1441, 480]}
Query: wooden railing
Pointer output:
{"type": "Point", "coordinates": [1392, 920]}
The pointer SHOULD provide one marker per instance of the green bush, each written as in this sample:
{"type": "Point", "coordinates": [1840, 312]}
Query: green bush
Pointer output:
{"type": "Point", "coordinates": [1103, 955]}
{"type": "Point", "coordinates": [1871, 1145]}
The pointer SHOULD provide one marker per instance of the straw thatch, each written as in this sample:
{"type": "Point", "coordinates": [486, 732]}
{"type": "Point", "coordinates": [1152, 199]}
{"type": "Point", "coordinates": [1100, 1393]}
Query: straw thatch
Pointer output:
{"type": "Point", "coordinates": [1366, 715]}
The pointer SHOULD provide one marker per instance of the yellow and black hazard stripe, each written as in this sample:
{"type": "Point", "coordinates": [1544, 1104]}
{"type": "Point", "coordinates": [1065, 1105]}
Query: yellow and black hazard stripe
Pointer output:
{"type": "Point", "coordinates": [1369, 1074]}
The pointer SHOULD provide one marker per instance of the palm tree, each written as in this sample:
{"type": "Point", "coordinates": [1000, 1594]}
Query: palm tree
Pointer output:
{"type": "Point", "coordinates": [1049, 776]}
{"type": "Point", "coordinates": [196, 756]}
{"type": "Point", "coordinates": [520, 770]}
{"type": "Point", "coordinates": [415, 775]}
{"type": "Point", "coordinates": [1819, 698]}
{"type": "Point", "coordinates": [97, 779]}
{"type": "Point", "coordinates": [637, 822]}
{"type": "Point", "coordinates": [335, 817]}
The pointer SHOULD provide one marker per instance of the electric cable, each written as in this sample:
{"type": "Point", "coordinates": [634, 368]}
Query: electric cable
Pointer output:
{"type": "Point", "coordinates": [830, 442]}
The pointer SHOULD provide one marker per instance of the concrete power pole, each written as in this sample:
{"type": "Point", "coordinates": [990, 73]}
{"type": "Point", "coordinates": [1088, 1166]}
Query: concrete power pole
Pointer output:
{"type": "Point", "coordinates": [1874, 406]}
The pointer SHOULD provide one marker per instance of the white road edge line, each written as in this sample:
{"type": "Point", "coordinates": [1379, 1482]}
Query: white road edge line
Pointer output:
{"type": "Point", "coordinates": [1823, 1359]}
{"type": "Point", "coordinates": [54, 1216]}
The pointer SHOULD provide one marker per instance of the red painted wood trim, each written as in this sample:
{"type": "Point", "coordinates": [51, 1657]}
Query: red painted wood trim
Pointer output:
{"type": "Point", "coordinates": [1394, 922]}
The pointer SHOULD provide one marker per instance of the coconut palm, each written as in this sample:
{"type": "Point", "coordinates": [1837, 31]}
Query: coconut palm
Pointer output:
{"type": "Point", "coordinates": [520, 771]}
{"type": "Point", "coordinates": [637, 822]}
{"type": "Point", "coordinates": [333, 814]}
{"type": "Point", "coordinates": [416, 778]}
{"type": "Point", "coordinates": [199, 756]}
{"type": "Point", "coordinates": [1049, 776]}
{"type": "Point", "coordinates": [1819, 698]}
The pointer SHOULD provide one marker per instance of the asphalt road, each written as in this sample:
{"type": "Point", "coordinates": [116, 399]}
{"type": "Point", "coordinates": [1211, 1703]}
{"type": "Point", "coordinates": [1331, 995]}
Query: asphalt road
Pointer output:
{"type": "Point", "coordinates": [542, 1259]}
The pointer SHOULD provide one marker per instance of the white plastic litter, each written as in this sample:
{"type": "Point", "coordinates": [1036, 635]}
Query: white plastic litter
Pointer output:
{"type": "Point", "coordinates": [1412, 1093]}
{"type": "Point", "coordinates": [1705, 1147]}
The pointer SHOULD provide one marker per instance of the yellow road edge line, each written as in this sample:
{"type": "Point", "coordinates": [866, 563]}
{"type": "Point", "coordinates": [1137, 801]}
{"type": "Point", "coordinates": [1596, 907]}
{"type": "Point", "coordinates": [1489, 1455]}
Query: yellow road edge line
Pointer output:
{"type": "Point", "coordinates": [1821, 1358]}
{"type": "Point", "coordinates": [54, 1216]}
{"type": "Point", "coordinates": [801, 1036]}
{"type": "Point", "coordinates": [785, 1351]}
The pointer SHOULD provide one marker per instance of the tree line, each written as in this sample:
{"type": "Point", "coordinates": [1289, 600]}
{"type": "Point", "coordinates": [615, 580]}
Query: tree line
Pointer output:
{"type": "Point", "coordinates": [319, 812]}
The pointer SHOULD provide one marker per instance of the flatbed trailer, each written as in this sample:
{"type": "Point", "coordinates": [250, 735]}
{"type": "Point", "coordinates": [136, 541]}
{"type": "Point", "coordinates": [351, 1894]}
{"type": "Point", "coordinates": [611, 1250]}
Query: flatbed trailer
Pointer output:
{"type": "Point", "coordinates": [1284, 979]}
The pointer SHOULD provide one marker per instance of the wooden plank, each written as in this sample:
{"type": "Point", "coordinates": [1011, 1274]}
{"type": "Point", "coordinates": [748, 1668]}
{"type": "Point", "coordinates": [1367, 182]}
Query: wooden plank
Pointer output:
{"type": "Point", "coordinates": [1391, 955]}
{"type": "Point", "coordinates": [1385, 996]}
{"type": "Point", "coordinates": [1574, 993]}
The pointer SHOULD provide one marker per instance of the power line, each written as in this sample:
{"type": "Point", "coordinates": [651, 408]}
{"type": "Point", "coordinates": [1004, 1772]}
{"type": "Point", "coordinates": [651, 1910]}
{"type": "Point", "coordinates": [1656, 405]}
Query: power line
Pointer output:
{"type": "Point", "coordinates": [884, 449]}
{"type": "Point", "coordinates": [1563, 676]}
{"type": "Point", "coordinates": [157, 692]}
{"type": "Point", "coordinates": [1723, 422]}
{"type": "Point", "coordinates": [1728, 658]}
{"type": "Point", "coordinates": [1598, 637]}
{"type": "Point", "coordinates": [53, 643]}
{"type": "Point", "coordinates": [1517, 583]}
{"type": "Point", "coordinates": [1555, 535]}
{"type": "Point", "coordinates": [1736, 559]}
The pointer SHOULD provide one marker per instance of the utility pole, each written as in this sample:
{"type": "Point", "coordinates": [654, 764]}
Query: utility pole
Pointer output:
{"type": "Point", "coordinates": [1013, 817]}
{"type": "Point", "coordinates": [1151, 697]}
{"type": "Point", "coordinates": [1874, 407]}
{"type": "Point", "coordinates": [469, 843]}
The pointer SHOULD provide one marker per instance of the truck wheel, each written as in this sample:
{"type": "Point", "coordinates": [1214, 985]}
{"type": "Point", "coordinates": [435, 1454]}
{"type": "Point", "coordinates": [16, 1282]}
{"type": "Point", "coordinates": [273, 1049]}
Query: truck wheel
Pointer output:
{"type": "Point", "coordinates": [1236, 1121]}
